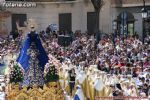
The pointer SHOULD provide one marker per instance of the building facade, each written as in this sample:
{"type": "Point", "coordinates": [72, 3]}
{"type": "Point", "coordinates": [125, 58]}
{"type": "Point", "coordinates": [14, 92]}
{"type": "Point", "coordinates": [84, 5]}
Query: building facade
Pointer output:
{"type": "Point", "coordinates": [78, 15]}
{"type": "Point", "coordinates": [72, 15]}
{"type": "Point", "coordinates": [132, 10]}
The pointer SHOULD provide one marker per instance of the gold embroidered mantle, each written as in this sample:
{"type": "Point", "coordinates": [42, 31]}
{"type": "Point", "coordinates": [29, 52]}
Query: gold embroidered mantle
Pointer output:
{"type": "Point", "coordinates": [50, 91]}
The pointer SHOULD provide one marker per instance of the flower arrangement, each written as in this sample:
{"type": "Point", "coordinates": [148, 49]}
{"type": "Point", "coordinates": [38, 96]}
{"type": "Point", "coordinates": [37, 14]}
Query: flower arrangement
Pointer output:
{"type": "Point", "coordinates": [16, 74]}
{"type": "Point", "coordinates": [51, 74]}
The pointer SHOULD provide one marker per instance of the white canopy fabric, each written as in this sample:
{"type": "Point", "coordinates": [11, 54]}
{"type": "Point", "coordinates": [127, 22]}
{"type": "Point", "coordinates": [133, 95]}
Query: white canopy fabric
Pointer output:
{"type": "Point", "coordinates": [2, 96]}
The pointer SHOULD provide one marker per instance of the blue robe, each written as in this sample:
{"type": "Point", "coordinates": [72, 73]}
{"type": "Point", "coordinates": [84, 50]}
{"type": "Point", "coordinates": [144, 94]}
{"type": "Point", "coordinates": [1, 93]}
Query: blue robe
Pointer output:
{"type": "Point", "coordinates": [23, 58]}
{"type": "Point", "coordinates": [76, 97]}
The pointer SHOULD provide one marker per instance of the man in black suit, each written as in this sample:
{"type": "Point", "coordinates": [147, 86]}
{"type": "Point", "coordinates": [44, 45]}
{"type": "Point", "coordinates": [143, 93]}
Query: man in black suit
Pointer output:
{"type": "Point", "coordinates": [72, 77]}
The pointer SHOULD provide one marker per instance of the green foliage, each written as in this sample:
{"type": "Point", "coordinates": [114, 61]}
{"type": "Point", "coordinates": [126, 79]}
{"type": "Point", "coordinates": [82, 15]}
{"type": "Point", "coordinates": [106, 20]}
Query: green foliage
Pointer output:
{"type": "Point", "coordinates": [16, 75]}
{"type": "Point", "coordinates": [52, 75]}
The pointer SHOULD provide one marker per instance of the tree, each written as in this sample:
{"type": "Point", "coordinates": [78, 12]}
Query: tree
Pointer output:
{"type": "Point", "coordinates": [52, 74]}
{"type": "Point", "coordinates": [98, 4]}
{"type": "Point", "coordinates": [16, 74]}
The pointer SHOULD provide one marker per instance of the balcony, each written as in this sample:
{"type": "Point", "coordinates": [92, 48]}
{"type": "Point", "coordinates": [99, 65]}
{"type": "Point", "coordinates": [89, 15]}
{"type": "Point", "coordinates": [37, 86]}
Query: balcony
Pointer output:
{"type": "Point", "coordinates": [129, 3]}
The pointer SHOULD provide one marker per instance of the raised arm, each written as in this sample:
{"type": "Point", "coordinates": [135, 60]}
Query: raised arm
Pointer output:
{"type": "Point", "coordinates": [17, 24]}
{"type": "Point", "coordinates": [24, 30]}
{"type": "Point", "coordinates": [20, 28]}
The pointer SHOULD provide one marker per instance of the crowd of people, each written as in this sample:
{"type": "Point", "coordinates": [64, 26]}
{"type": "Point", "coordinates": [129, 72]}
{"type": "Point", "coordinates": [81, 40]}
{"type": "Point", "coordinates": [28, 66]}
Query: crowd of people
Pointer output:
{"type": "Point", "coordinates": [126, 56]}
{"type": "Point", "coordinates": [113, 55]}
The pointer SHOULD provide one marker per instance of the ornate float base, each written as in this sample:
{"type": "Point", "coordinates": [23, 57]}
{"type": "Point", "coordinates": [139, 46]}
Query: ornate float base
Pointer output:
{"type": "Point", "coordinates": [50, 91]}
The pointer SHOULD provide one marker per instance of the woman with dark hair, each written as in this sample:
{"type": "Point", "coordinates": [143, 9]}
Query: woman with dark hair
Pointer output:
{"type": "Point", "coordinates": [72, 76]}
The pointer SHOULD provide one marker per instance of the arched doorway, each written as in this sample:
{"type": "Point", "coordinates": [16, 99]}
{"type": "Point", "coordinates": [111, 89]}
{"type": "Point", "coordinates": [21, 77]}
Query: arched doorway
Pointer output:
{"type": "Point", "coordinates": [125, 21]}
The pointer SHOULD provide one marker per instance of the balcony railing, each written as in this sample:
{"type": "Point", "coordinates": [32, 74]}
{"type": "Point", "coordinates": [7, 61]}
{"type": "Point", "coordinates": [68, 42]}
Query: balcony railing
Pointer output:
{"type": "Point", "coordinates": [128, 3]}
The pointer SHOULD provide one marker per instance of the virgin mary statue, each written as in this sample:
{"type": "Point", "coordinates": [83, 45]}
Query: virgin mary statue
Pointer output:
{"type": "Point", "coordinates": [33, 58]}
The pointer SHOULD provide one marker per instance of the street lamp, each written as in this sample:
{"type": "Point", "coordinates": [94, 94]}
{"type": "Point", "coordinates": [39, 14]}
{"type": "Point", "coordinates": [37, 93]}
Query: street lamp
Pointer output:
{"type": "Point", "coordinates": [144, 16]}
{"type": "Point", "coordinates": [144, 13]}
